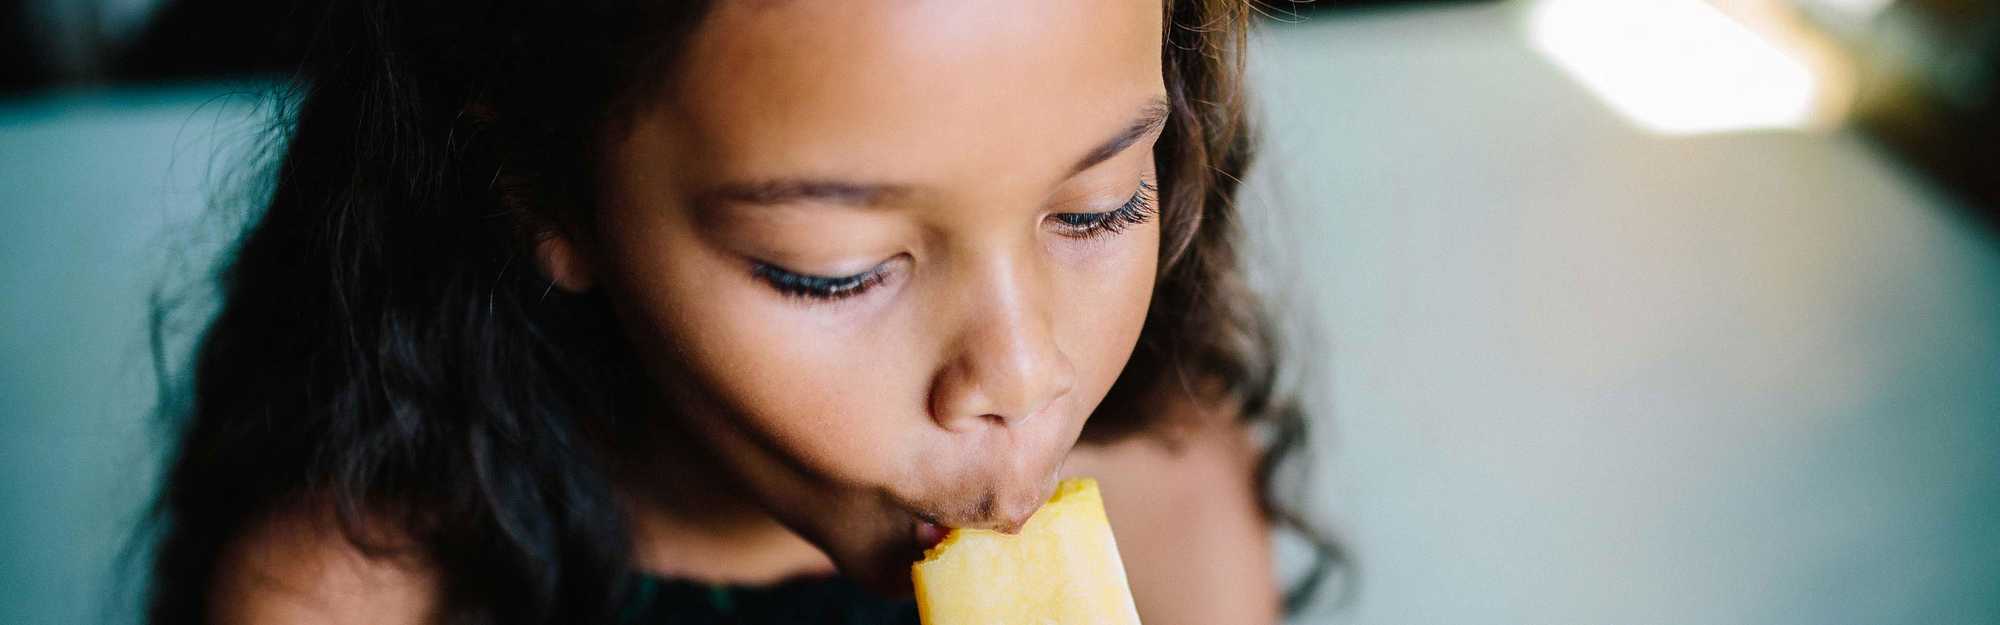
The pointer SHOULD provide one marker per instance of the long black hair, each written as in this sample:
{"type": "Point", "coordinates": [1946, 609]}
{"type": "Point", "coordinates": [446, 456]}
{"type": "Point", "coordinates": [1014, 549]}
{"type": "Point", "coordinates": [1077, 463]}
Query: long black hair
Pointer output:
{"type": "Point", "coordinates": [385, 351]}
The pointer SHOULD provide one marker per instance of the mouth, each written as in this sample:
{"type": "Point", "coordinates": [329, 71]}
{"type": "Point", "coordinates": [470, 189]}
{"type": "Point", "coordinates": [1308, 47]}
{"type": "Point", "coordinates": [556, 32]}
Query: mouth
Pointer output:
{"type": "Point", "coordinates": [929, 534]}
{"type": "Point", "coordinates": [890, 576]}
{"type": "Point", "coordinates": [927, 531]}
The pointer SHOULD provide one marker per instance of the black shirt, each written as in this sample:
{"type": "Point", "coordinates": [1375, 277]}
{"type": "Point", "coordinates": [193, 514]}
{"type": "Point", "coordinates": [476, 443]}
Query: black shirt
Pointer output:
{"type": "Point", "coordinates": [827, 600]}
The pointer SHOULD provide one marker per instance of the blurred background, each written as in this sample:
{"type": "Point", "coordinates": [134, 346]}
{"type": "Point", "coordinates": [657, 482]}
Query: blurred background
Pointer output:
{"type": "Point", "coordinates": [1610, 311]}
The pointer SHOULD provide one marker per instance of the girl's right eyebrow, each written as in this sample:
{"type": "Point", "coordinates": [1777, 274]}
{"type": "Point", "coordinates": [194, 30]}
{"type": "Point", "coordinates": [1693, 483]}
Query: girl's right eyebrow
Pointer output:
{"type": "Point", "coordinates": [786, 191]}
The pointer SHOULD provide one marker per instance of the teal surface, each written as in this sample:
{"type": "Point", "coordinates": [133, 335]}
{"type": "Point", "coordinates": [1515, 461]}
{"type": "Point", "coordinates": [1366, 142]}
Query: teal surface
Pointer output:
{"type": "Point", "coordinates": [102, 193]}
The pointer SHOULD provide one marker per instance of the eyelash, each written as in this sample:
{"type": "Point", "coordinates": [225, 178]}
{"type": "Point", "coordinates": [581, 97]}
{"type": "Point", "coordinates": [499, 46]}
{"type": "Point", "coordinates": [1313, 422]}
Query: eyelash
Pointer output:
{"type": "Point", "coordinates": [1138, 210]}
{"type": "Point", "coordinates": [821, 288]}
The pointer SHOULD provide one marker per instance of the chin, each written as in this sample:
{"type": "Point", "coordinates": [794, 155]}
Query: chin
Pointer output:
{"type": "Point", "coordinates": [883, 570]}
{"type": "Point", "coordinates": [871, 542]}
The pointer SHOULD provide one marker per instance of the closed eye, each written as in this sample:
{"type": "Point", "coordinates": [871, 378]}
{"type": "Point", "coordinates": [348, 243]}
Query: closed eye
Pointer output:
{"type": "Point", "coordinates": [1138, 210]}
{"type": "Point", "coordinates": [826, 288]}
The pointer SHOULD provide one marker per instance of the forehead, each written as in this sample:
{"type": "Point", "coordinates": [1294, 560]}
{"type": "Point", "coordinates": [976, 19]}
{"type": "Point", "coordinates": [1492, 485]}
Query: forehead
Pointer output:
{"type": "Point", "coordinates": [912, 89]}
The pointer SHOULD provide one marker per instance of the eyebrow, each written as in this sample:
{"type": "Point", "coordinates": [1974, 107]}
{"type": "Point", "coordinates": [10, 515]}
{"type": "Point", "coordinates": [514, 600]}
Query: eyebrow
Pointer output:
{"type": "Point", "coordinates": [768, 192]}
{"type": "Point", "coordinates": [1151, 119]}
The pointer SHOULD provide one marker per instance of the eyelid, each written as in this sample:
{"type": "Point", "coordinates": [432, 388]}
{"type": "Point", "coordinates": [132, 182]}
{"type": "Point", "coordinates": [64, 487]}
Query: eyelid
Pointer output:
{"type": "Point", "coordinates": [818, 288]}
{"type": "Point", "coordinates": [786, 278]}
{"type": "Point", "coordinates": [1138, 209]}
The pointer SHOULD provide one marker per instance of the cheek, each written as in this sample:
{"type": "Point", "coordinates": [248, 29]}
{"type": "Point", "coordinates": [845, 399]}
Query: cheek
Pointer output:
{"type": "Point", "coordinates": [831, 386]}
{"type": "Point", "coordinates": [842, 388]}
{"type": "Point", "coordinates": [1103, 305]}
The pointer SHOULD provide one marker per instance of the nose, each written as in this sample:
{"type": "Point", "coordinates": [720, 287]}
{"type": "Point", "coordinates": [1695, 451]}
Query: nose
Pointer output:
{"type": "Point", "coordinates": [1006, 365]}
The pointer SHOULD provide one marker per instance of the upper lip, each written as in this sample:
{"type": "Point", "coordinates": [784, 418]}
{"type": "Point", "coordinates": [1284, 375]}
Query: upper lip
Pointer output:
{"type": "Point", "coordinates": [1006, 512]}
{"type": "Point", "coordinates": [1002, 516]}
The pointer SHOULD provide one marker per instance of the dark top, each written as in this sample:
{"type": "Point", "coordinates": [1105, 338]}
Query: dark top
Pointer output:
{"type": "Point", "coordinates": [829, 600]}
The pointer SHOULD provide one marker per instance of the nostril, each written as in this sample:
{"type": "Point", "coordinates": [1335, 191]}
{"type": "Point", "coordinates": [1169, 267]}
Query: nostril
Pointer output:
{"type": "Point", "coordinates": [957, 407]}
{"type": "Point", "coordinates": [1003, 374]}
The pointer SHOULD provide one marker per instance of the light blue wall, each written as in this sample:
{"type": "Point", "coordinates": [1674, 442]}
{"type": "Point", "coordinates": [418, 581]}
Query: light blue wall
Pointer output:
{"type": "Point", "coordinates": [90, 183]}
{"type": "Point", "coordinates": [1578, 374]}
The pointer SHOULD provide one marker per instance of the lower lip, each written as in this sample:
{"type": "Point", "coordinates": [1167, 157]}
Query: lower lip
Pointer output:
{"type": "Point", "coordinates": [929, 535]}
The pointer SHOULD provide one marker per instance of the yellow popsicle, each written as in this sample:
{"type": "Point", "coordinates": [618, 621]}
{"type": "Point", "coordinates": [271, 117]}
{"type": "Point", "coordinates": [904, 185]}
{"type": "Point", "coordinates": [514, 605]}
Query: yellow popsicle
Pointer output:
{"type": "Point", "coordinates": [1062, 569]}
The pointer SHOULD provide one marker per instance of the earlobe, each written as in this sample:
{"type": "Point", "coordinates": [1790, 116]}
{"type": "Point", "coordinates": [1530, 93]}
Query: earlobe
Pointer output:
{"type": "Point", "coordinates": [562, 264]}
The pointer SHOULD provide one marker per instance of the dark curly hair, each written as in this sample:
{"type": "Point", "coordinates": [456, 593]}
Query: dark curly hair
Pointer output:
{"type": "Point", "coordinates": [382, 348]}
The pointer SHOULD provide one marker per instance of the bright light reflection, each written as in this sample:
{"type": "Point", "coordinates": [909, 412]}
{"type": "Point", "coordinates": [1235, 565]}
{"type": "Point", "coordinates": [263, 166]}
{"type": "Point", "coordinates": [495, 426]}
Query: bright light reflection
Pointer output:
{"type": "Point", "coordinates": [1675, 66]}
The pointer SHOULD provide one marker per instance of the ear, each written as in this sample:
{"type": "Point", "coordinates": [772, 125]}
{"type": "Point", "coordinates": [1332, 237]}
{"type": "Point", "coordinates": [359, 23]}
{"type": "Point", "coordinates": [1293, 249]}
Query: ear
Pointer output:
{"type": "Point", "coordinates": [563, 264]}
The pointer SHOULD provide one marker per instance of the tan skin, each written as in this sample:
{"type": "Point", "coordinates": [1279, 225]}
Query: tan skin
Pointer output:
{"type": "Point", "coordinates": [943, 151]}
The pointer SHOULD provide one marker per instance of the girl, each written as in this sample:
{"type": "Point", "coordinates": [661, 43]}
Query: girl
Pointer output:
{"type": "Point", "coordinates": [592, 312]}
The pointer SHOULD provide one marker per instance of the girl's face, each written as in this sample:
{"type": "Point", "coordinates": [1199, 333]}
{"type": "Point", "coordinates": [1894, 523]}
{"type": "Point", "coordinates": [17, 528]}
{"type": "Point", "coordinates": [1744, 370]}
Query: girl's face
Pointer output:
{"type": "Point", "coordinates": [886, 257]}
